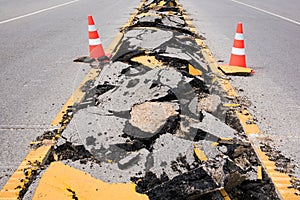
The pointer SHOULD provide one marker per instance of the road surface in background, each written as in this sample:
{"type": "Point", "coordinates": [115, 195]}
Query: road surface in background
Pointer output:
{"type": "Point", "coordinates": [39, 41]}
{"type": "Point", "coordinates": [271, 31]}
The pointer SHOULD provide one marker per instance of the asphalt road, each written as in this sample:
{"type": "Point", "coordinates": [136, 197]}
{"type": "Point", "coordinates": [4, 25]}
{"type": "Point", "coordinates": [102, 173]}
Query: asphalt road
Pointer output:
{"type": "Point", "coordinates": [39, 40]}
{"type": "Point", "coordinates": [271, 31]}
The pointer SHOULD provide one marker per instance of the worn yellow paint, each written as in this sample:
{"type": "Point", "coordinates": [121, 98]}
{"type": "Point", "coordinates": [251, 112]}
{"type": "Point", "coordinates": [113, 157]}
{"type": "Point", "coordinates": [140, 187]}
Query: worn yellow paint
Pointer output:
{"type": "Point", "coordinates": [16, 182]}
{"type": "Point", "coordinates": [161, 3]}
{"type": "Point", "coordinates": [224, 194]}
{"type": "Point", "coordinates": [171, 4]}
{"type": "Point", "coordinates": [226, 139]}
{"type": "Point", "coordinates": [152, 5]}
{"type": "Point", "coordinates": [149, 61]}
{"type": "Point", "coordinates": [281, 181]}
{"type": "Point", "coordinates": [64, 182]}
{"type": "Point", "coordinates": [193, 71]}
{"type": "Point", "coordinates": [249, 126]}
{"type": "Point", "coordinates": [200, 42]}
{"type": "Point", "coordinates": [232, 70]}
{"type": "Point", "coordinates": [200, 154]}
{"type": "Point", "coordinates": [214, 144]}
{"type": "Point", "coordinates": [259, 172]}
{"type": "Point", "coordinates": [231, 105]}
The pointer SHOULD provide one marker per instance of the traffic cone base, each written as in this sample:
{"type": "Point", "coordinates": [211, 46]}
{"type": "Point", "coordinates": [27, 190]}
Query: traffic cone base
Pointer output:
{"type": "Point", "coordinates": [235, 70]}
{"type": "Point", "coordinates": [237, 63]}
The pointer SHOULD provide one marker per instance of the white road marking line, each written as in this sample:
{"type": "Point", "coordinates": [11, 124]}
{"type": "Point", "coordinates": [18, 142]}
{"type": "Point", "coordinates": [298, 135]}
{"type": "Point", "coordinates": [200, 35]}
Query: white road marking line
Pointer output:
{"type": "Point", "coordinates": [37, 12]}
{"type": "Point", "coordinates": [270, 13]}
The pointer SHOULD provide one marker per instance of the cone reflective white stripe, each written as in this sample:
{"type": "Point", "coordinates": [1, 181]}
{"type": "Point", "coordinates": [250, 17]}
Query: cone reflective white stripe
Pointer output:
{"type": "Point", "coordinates": [238, 51]}
{"type": "Point", "coordinates": [95, 41]}
{"type": "Point", "coordinates": [92, 28]}
{"type": "Point", "coordinates": [239, 36]}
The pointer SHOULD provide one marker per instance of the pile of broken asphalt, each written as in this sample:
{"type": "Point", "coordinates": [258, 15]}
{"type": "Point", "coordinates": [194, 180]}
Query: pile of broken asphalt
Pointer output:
{"type": "Point", "coordinates": [155, 118]}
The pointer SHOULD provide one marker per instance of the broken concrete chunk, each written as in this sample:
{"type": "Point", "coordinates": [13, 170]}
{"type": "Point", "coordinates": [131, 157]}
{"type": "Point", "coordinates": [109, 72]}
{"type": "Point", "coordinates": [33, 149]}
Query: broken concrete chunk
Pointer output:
{"type": "Point", "coordinates": [209, 103]}
{"type": "Point", "coordinates": [214, 126]}
{"type": "Point", "coordinates": [209, 149]}
{"type": "Point", "coordinates": [170, 77]}
{"type": "Point", "coordinates": [96, 131]}
{"type": "Point", "coordinates": [134, 90]}
{"type": "Point", "coordinates": [144, 38]}
{"type": "Point", "coordinates": [111, 74]}
{"type": "Point", "coordinates": [151, 116]}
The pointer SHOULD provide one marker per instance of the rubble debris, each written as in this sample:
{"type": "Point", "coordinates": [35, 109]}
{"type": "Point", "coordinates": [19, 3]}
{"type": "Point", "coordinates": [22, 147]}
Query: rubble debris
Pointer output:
{"type": "Point", "coordinates": [296, 184]}
{"type": "Point", "coordinates": [233, 121]}
{"type": "Point", "coordinates": [254, 190]}
{"type": "Point", "coordinates": [69, 151]}
{"type": "Point", "coordinates": [148, 111]}
{"type": "Point", "coordinates": [191, 184]}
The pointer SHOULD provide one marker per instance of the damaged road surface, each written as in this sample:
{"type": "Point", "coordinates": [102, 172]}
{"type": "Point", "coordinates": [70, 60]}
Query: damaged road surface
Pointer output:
{"type": "Point", "coordinates": [155, 119]}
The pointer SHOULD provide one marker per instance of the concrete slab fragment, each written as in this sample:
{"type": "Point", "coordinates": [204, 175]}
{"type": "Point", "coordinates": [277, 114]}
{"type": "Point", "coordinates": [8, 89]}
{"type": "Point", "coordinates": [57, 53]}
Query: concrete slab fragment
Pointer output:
{"type": "Point", "coordinates": [147, 38]}
{"type": "Point", "coordinates": [209, 103]}
{"type": "Point", "coordinates": [167, 152]}
{"type": "Point", "coordinates": [212, 125]}
{"type": "Point", "coordinates": [111, 73]}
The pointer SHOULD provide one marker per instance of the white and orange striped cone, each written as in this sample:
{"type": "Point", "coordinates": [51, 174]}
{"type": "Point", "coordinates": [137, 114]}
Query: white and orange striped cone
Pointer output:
{"type": "Point", "coordinates": [238, 55]}
{"type": "Point", "coordinates": [95, 44]}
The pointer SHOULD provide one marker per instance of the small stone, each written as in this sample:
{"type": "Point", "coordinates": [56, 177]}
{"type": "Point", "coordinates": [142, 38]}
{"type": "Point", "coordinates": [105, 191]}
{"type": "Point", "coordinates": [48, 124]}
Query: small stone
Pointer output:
{"type": "Point", "coordinates": [128, 160]}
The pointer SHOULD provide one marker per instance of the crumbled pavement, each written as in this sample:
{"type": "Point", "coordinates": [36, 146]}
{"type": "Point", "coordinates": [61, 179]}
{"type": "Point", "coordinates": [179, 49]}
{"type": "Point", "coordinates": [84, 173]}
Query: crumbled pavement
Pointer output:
{"type": "Point", "coordinates": [140, 123]}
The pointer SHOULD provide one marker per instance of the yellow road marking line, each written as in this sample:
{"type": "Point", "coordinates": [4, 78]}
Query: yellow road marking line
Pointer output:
{"type": "Point", "coordinates": [250, 127]}
{"type": "Point", "coordinates": [17, 182]}
{"type": "Point", "coordinates": [281, 181]}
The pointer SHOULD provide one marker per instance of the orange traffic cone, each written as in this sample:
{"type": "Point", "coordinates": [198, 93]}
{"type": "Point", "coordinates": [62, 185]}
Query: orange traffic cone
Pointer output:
{"type": "Point", "coordinates": [238, 57]}
{"type": "Point", "coordinates": [237, 63]}
{"type": "Point", "coordinates": [95, 45]}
